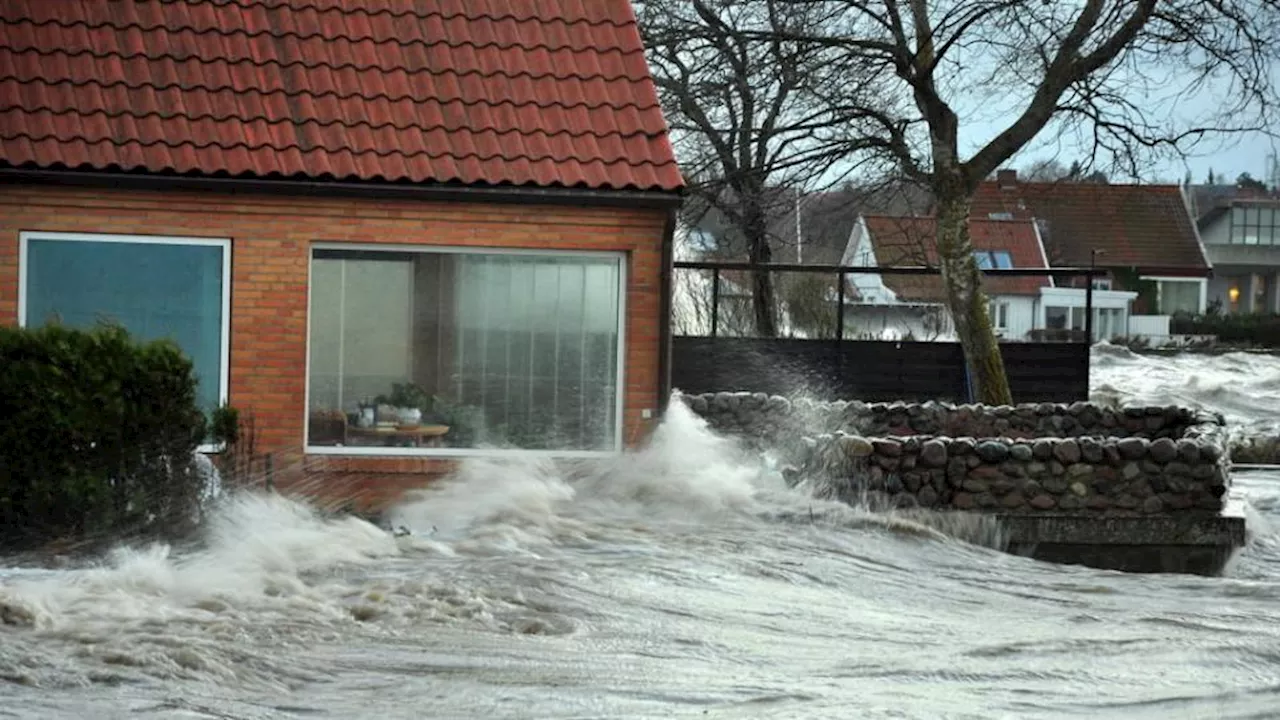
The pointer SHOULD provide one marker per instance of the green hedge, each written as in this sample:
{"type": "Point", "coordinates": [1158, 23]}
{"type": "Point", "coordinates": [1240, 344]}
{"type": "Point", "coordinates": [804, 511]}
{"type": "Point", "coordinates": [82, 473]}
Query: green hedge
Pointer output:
{"type": "Point", "coordinates": [98, 437]}
{"type": "Point", "coordinates": [1256, 329]}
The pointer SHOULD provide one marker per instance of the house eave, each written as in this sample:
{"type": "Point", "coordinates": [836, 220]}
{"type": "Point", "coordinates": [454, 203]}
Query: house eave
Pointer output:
{"type": "Point", "coordinates": [429, 192]}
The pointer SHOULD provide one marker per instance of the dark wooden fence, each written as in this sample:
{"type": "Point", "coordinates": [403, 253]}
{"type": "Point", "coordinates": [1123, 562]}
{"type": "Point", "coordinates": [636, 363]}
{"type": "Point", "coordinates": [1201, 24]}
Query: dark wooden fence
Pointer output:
{"type": "Point", "coordinates": [872, 370]}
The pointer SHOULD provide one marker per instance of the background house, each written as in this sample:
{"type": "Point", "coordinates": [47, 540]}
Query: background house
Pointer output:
{"type": "Point", "coordinates": [1021, 308]}
{"type": "Point", "coordinates": [1240, 227]}
{"type": "Point", "coordinates": [321, 208]}
{"type": "Point", "coordinates": [1143, 236]}
{"type": "Point", "coordinates": [803, 229]}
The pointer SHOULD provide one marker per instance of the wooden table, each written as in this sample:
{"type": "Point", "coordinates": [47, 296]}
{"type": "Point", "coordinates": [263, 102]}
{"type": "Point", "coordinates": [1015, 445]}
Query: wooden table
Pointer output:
{"type": "Point", "coordinates": [416, 435]}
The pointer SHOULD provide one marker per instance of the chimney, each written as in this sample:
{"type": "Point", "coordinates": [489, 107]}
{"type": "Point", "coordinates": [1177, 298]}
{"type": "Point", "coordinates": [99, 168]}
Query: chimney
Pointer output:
{"type": "Point", "coordinates": [1007, 179]}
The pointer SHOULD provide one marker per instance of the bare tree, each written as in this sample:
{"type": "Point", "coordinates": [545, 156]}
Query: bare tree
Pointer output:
{"type": "Point", "coordinates": [1113, 72]}
{"type": "Point", "coordinates": [756, 116]}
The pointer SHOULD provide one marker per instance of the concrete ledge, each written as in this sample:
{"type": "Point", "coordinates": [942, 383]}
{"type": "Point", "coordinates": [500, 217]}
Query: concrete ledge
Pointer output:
{"type": "Point", "coordinates": [1200, 544]}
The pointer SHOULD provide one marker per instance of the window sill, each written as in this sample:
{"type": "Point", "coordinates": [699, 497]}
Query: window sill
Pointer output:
{"type": "Point", "coordinates": [456, 453]}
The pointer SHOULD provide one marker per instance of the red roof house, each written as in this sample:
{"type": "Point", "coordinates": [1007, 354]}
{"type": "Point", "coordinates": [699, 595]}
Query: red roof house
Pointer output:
{"type": "Point", "coordinates": [1140, 232]}
{"type": "Point", "coordinates": [912, 241]}
{"type": "Point", "coordinates": [339, 208]}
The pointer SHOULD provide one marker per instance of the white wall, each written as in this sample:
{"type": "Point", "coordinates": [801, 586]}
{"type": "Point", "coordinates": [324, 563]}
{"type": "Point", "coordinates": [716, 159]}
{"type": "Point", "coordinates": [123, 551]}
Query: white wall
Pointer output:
{"type": "Point", "coordinates": [1149, 325]}
{"type": "Point", "coordinates": [860, 253]}
{"type": "Point", "coordinates": [1021, 315]}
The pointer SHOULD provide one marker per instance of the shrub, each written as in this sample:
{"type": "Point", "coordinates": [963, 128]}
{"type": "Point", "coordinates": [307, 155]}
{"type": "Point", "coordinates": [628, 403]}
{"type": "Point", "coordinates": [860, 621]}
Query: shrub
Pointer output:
{"type": "Point", "coordinates": [1237, 329]}
{"type": "Point", "coordinates": [98, 437]}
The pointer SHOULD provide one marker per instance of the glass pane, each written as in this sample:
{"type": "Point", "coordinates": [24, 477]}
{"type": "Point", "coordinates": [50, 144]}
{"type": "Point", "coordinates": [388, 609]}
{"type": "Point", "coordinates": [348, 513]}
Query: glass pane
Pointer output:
{"type": "Point", "coordinates": [984, 259]}
{"type": "Point", "coordinates": [1003, 259]}
{"type": "Point", "coordinates": [1179, 296]}
{"type": "Point", "coordinates": [154, 290]}
{"type": "Point", "coordinates": [491, 350]}
{"type": "Point", "coordinates": [1055, 318]}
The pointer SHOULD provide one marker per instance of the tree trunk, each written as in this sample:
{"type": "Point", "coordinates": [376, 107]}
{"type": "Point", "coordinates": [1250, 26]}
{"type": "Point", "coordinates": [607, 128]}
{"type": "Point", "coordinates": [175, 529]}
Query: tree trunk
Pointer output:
{"type": "Point", "coordinates": [762, 296]}
{"type": "Point", "coordinates": [968, 302]}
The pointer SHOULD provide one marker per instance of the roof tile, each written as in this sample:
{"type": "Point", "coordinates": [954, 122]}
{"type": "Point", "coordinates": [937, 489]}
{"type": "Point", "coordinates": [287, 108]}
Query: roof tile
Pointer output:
{"type": "Point", "coordinates": [1143, 226]}
{"type": "Point", "coordinates": [546, 92]}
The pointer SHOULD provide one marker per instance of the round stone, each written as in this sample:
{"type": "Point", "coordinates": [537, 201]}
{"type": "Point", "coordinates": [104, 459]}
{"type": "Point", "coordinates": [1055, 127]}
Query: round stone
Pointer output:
{"type": "Point", "coordinates": [1043, 502]}
{"type": "Point", "coordinates": [1020, 452]}
{"type": "Point", "coordinates": [1188, 451]}
{"type": "Point", "coordinates": [933, 453]}
{"type": "Point", "coordinates": [855, 446]}
{"type": "Point", "coordinates": [1090, 450]}
{"type": "Point", "coordinates": [1163, 450]}
{"type": "Point", "coordinates": [1152, 505]}
{"type": "Point", "coordinates": [992, 451]}
{"type": "Point", "coordinates": [927, 496]}
{"type": "Point", "coordinates": [1132, 448]}
{"type": "Point", "coordinates": [1012, 501]}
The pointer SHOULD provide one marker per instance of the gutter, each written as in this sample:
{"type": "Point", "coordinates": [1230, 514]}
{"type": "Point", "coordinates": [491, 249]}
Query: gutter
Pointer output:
{"type": "Point", "coordinates": [434, 192]}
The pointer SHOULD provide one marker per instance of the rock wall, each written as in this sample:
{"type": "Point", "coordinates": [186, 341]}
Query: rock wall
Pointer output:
{"type": "Point", "coordinates": [774, 418]}
{"type": "Point", "coordinates": [1078, 458]}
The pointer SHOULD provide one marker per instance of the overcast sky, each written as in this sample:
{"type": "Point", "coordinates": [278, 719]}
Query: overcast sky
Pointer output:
{"type": "Point", "coordinates": [1165, 97]}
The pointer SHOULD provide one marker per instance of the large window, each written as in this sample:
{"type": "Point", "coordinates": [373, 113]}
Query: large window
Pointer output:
{"type": "Point", "coordinates": [1254, 225]}
{"type": "Point", "coordinates": [1178, 296]}
{"type": "Point", "coordinates": [466, 350]}
{"type": "Point", "coordinates": [155, 287]}
{"type": "Point", "coordinates": [1064, 318]}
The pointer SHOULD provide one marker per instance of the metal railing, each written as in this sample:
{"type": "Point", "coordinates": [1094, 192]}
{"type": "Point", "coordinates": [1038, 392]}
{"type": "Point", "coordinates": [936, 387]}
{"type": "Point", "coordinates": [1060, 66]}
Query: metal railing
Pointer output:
{"type": "Point", "coordinates": [841, 271]}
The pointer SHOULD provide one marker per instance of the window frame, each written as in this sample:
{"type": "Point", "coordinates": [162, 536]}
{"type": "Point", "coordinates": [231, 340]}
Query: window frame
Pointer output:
{"type": "Point", "coordinates": [224, 341]}
{"type": "Point", "coordinates": [999, 310]}
{"type": "Point", "coordinates": [1246, 217]}
{"type": "Point", "coordinates": [621, 257]}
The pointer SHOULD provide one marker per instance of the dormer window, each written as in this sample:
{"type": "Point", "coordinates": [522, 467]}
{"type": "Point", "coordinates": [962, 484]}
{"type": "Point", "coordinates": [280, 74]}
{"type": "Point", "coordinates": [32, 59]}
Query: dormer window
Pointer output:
{"type": "Point", "coordinates": [993, 259]}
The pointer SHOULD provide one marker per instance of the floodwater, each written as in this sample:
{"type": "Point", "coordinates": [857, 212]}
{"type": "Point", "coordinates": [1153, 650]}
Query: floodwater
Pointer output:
{"type": "Point", "coordinates": [683, 581]}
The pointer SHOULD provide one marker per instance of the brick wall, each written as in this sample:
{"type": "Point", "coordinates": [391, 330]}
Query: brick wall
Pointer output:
{"type": "Point", "coordinates": [271, 237]}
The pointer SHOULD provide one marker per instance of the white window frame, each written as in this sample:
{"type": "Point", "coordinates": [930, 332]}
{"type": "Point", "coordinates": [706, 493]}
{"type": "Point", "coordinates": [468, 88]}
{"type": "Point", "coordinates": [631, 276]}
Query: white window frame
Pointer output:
{"type": "Point", "coordinates": [621, 257]}
{"type": "Point", "coordinates": [224, 341]}
{"type": "Point", "coordinates": [1203, 282]}
{"type": "Point", "coordinates": [997, 309]}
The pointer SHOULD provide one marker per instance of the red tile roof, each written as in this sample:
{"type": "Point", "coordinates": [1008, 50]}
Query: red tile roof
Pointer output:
{"type": "Point", "coordinates": [912, 241]}
{"type": "Point", "coordinates": [535, 92]}
{"type": "Point", "coordinates": [1142, 226]}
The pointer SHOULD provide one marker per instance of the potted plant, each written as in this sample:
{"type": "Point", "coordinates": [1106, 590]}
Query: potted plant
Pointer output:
{"type": "Point", "coordinates": [409, 401]}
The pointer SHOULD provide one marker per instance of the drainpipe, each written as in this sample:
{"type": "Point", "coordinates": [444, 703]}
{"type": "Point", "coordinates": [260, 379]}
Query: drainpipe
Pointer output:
{"type": "Point", "coordinates": [664, 311]}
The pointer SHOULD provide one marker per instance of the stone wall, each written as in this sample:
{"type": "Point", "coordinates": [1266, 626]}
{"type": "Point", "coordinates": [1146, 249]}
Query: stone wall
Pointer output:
{"type": "Point", "coordinates": [1078, 458]}
{"type": "Point", "coordinates": [775, 418]}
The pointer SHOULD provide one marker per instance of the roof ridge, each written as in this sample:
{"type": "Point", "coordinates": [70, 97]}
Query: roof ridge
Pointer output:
{"type": "Point", "coordinates": [277, 34]}
{"type": "Point", "coordinates": [307, 93]}
{"type": "Point", "coordinates": [244, 119]}
{"type": "Point", "coordinates": [313, 66]}
{"type": "Point", "coordinates": [451, 153]}
{"type": "Point", "coordinates": [348, 10]}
